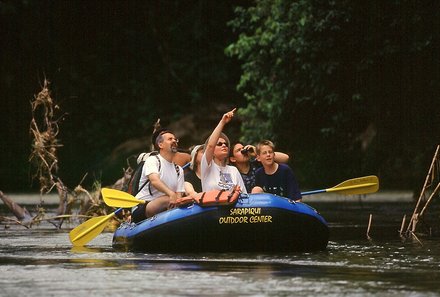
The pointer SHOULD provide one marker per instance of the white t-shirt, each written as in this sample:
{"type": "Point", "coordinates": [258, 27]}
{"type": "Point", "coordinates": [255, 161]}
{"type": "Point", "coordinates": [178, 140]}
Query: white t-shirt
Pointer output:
{"type": "Point", "coordinates": [216, 177]}
{"type": "Point", "coordinates": [167, 174]}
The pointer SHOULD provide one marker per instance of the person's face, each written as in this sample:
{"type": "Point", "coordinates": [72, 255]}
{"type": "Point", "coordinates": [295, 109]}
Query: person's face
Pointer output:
{"type": "Point", "coordinates": [169, 142]}
{"type": "Point", "coordinates": [237, 156]}
{"type": "Point", "coordinates": [266, 155]}
{"type": "Point", "coordinates": [221, 150]}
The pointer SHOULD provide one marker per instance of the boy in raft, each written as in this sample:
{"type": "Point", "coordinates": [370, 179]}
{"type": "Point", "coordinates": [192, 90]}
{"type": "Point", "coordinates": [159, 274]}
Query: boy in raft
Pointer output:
{"type": "Point", "coordinates": [274, 178]}
{"type": "Point", "coordinates": [244, 158]}
{"type": "Point", "coordinates": [166, 179]}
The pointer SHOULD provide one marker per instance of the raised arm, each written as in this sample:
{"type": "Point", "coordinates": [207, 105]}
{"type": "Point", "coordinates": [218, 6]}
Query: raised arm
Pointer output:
{"type": "Point", "coordinates": [280, 157]}
{"type": "Point", "coordinates": [215, 135]}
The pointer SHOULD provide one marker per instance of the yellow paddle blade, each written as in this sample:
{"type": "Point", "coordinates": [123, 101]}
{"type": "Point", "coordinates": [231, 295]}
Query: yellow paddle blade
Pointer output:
{"type": "Point", "coordinates": [88, 230]}
{"type": "Point", "coordinates": [360, 185]}
{"type": "Point", "coordinates": [116, 198]}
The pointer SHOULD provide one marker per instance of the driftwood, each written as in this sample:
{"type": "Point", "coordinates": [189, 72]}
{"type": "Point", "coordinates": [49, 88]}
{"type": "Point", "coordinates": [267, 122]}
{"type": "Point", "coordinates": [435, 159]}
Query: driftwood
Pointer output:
{"type": "Point", "coordinates": [44, 129]}
{"type": "Point", "coordinates": [21, 213]}
{"type": "Point", "coordinates": [430, 190]}
{"type": "Point", "coordinates": [73, 204]}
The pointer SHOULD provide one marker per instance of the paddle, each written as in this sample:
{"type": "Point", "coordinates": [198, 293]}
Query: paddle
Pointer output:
{"type": "Point", "coordinates": [88, 230]}
{"type": "Point", "coordinates": [116, 198]}
{"type": "Point", "coordinates": [360, 185]}
{"type": "Point", "coordinates": [354, 186]}
{"type": "Point", "coordinates": [91, 228]}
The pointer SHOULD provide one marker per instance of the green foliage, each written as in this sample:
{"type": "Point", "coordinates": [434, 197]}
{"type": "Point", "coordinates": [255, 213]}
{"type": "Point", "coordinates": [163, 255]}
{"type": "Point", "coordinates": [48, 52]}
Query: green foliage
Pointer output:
{"type": "Point", "coordinates": [280, 45]}
{"type": "Point", "coordinates": [346, 78]}
{"type": "Point", "coordinates": [316, 76]}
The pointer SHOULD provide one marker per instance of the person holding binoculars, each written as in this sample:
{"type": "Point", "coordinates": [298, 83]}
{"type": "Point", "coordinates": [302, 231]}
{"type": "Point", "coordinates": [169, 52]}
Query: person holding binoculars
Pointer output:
{"type": "Point", "coordinates": [244, 158]}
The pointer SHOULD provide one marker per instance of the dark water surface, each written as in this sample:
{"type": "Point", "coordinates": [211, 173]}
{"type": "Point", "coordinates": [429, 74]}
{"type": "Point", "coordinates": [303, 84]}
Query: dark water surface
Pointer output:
{"type": "Point", "coordinates": [41, 262]}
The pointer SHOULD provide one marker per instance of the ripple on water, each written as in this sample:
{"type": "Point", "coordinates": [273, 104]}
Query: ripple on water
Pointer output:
{"type": "Point", "coordinates": [43, 263]}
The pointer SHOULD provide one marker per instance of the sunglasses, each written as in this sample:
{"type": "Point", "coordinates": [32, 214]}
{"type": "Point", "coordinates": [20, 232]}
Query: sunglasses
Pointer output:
{"type": "Point", "coordinates": [222, 143]}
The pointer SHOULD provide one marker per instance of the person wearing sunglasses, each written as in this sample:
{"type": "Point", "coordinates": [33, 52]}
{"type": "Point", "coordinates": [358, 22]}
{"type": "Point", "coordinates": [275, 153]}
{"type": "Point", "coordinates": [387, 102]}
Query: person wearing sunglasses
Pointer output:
{"type": "Point", "coordinates": [216, 173]}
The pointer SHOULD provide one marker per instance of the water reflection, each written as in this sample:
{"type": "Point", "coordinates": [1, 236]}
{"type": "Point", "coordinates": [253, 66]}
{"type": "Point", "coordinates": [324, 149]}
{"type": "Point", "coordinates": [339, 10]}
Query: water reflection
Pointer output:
{"type": "Point", "coordinates": [85, 250]}
{"type": "Point", "coordinates": [42, 262]}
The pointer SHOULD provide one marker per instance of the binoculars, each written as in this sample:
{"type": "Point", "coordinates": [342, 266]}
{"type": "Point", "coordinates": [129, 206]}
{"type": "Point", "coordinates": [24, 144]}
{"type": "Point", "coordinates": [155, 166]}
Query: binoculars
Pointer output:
{"type": "Point", "coordinates": [246, 150]}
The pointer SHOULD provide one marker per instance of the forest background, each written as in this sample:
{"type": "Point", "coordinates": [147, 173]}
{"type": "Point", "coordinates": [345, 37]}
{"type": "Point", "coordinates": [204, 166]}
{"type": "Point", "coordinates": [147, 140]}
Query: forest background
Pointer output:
{"type": "Point", "coordinates": [347, 88]}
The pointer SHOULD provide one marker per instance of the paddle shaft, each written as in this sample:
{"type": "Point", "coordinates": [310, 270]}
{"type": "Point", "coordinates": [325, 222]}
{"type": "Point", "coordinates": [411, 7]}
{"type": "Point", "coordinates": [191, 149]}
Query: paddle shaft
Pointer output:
{"type": "Point", "coordinates": [337, 189]}
{"type": "Point", "coordinates": [313, 192]}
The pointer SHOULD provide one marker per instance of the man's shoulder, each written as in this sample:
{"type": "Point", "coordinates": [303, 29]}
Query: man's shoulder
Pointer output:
{"type": "Point", "coordinates": [161, 159]}
{"type": "Point", "coordinates": [153, 159]}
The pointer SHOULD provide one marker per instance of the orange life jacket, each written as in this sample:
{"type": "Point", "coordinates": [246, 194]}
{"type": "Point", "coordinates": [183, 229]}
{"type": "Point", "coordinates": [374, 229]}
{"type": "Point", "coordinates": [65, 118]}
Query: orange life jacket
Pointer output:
{"type": "Point", "coordinates": [213, 198]}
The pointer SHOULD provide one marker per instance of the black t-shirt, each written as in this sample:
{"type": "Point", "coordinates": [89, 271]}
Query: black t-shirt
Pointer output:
{"type": "Point", "coordinates": [249, 177]}
{"type": "Point", "coordinates": [282, 182]}
{"type": "Point", "coordinates": [193, 179]}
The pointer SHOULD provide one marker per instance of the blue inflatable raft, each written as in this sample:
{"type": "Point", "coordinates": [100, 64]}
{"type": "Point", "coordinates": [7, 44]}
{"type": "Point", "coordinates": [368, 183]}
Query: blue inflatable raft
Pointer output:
{"type": "Point", "coordinates": [256, 223]}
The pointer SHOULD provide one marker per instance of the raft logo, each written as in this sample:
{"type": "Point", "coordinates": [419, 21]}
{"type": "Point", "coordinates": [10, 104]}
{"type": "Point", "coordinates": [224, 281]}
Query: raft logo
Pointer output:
{"type": "Point", "coordinates": [251, 215]}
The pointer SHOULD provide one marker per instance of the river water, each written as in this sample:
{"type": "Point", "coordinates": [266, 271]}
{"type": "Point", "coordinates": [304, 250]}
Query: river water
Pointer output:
{"type": "Point", "coordinates": [41, 262]}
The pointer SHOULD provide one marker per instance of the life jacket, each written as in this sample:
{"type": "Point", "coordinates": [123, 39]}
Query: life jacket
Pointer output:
{"type": "Point", "coordinates": [213, 198]}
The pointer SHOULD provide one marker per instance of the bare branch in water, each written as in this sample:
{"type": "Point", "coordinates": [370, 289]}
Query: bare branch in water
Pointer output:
{"type": "Point", "coordinates": [44, 129]}
{"type": "Point", "coordinates": [21, 213]}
